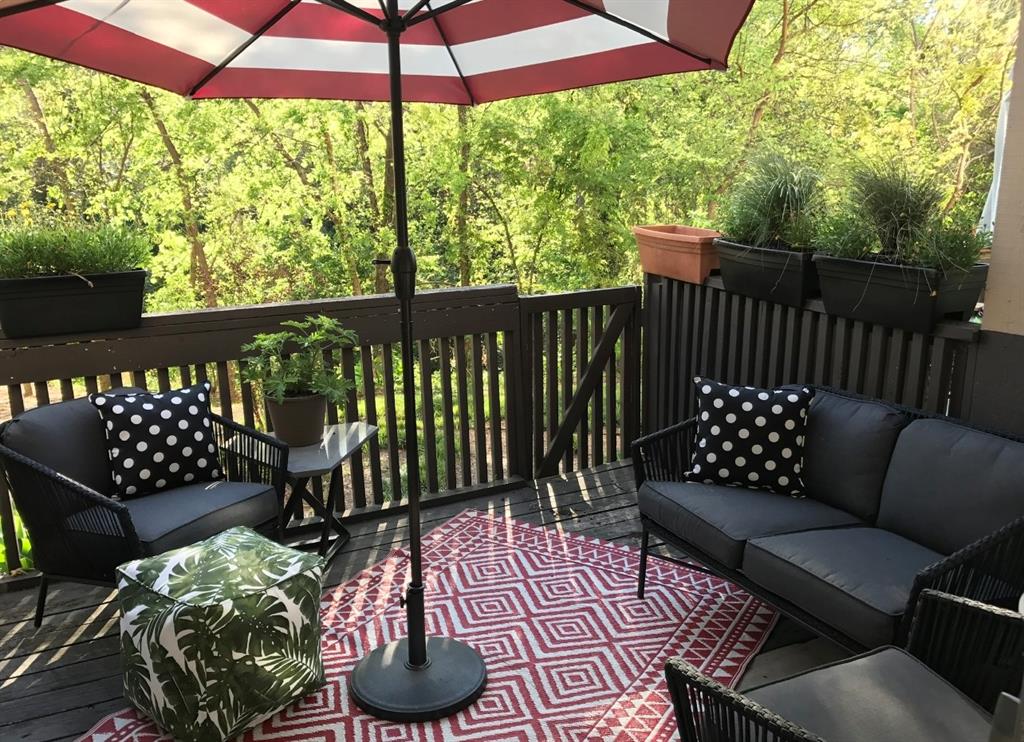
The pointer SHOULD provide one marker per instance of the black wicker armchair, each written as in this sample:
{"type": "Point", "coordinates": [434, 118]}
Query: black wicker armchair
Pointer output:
{"type": "Point", "coordinates": [55, 461]}
{"type": "Point", "coordinates": [961, 655]}
{"type": "Point", "coordinates": [948, 536]}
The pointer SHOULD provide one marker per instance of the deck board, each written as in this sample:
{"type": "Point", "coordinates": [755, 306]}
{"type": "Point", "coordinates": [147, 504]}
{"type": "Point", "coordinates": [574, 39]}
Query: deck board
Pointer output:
{"type": "Point", "coordinates": [55, 682]}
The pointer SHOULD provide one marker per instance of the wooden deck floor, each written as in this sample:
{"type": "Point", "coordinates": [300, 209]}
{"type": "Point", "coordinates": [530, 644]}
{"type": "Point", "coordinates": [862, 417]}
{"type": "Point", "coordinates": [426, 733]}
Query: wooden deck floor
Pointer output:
{"type": "Point", "coordinates": [57, 681]}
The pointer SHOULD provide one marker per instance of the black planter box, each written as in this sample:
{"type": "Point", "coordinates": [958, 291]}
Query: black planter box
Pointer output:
{"type": "Point", "coordinates": [782, 276]}
{"type": "Point", "coordinates": [900, 296]}
{"type": "Point", "coordinates": [64, 305]}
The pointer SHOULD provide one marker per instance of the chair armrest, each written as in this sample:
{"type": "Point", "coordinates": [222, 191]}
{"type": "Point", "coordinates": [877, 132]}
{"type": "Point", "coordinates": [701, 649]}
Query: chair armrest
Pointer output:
{"type": "Point", "coordinates": [990, 570]}
{"type": "Point", "coordinates": [978, 648]}
{"type": "Point", "coordinates": [664, 455]}
{"type": "Point", "coordinates": [64, 519]}
{"type": "Point", "coordinates": [707, 711]}
{"type": "Point", "coordinates": [250, 456]}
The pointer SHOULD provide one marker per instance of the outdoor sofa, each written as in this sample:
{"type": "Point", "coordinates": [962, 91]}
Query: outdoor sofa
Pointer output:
{"type": "Point", "coordinates": [897, 501]}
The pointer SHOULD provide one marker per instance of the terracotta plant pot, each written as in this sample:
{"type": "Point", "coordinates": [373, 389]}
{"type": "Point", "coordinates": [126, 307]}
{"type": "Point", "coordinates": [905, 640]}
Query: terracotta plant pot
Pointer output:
{"type": "Point", "coordinates": [684, 253]}
{"type": "Point", "coordinates": [298, 421]}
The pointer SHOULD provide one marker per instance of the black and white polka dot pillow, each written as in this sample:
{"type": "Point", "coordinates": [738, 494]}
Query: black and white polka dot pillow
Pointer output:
{"type": "Point", "coordinates": [748, 437]}
{"type": "Point", "coordinates": [159, 441]}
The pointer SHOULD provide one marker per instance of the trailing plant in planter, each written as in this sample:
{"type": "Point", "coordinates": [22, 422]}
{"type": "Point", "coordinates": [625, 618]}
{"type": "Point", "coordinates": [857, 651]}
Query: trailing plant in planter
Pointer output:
{"type": "Point", "coordinates": [67, 279]}
{"type": "Point", "coordinates": [890, 256]}
{"type": "Point", "coordinates": [768, 227]}
{"type": "Point", "coordinates": [292, 369]}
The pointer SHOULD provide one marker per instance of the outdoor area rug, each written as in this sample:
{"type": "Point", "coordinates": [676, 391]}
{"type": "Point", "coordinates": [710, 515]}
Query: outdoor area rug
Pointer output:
{"type": "Point", "coordinates": [571, 653]}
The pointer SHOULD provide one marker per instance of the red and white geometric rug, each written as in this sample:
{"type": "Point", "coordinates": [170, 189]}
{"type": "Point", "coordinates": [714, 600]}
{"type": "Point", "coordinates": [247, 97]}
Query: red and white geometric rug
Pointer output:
{"type": "Point", "coordinates": [571, 653]}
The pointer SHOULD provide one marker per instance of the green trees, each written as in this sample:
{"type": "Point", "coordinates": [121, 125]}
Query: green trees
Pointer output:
{"type": "Point", "coordinates": [251, 201]}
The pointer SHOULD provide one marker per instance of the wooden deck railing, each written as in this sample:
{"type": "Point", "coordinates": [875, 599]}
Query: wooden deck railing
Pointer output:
{"type": "Point", "coordinates": [508, 386]}
{"type": "Point", "coordinates": [704, 330]}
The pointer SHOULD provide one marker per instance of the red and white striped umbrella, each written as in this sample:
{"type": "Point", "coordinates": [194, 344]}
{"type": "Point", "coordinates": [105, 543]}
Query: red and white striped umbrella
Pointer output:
{"type": "Point", "coordinates": [452, 52]}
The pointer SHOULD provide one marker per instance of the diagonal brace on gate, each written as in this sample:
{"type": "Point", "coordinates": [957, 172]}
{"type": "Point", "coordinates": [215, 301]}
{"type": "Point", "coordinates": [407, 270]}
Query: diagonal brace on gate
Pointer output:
{"type": "Point", "coordinates": [588, 384]}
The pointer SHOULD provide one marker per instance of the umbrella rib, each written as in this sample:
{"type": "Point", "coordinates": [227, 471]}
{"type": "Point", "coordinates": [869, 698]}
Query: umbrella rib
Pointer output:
{"type": "Point", "coordinates": [645, 32]}
{"type": "Point", "coordinates": [25, 7]}
{"type": "Point", "coordinates": [432, 13]}
{"type": "Point", "coordinates": [245, 45]}
{"type": "Point", "coordinates": [451, 54]}
{"type": "Point", "coordinates": [346, 7]}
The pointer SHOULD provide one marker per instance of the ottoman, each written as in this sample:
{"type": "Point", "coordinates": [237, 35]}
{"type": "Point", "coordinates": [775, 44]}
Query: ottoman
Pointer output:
{"type": "Point", "coordinates": [218, 636]}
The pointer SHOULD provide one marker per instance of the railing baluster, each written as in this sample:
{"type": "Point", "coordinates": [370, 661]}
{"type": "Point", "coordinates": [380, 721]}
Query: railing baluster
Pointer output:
{"type": "Point", "coordinates": [479, 421]}
{"type": "Point", "coordinates": [370, 407]}
{"type": "Point", "coordinates": [567, 387]}
{"type": "Point", "coordinates": [597, 442]}
{"type": "Point", "coordinates": [465, 455]}
{"type": "Point", "coordinates": [391, 417]}
{"type": "Point", "coordinates": [139, 378]}
{"type": "Point", "coordinates": [448, 413]}
{"type": "Point", "coordinates": [348, 369]}
{"type": "Point", "coordinates": [224, 390]}
{"type": "Point", "coordinates": [67, 390]}
{"type": "Point", "coordinates": [427, 403]}
{"type": "Point", "coordinates": [537, 332]}
{"type": "Point", "coordinates": [582, 356]}
{"type": "Point", "coordinates": [494, 399]}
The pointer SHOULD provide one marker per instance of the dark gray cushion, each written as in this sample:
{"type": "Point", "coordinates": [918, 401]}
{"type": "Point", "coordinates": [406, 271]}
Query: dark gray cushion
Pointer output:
{"type": "Point", "coordinates": [948, 485]}
{"type": "Point", "coordinates": [883, 696]}
{"type": "Point", "coordinates": [182, 516]}
{"type": "Point", "coordinates": [68, 438]}
{"type": "Point", "coordinates": [854, 579]}
{"type": "Point", "coordinates": [849, 444]}
{"type": "Point", "coordinates": [719, 520]}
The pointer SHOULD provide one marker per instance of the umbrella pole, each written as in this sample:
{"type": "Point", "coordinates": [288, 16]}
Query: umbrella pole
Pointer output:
{"type": "Point", "coordinates": [416, 678]}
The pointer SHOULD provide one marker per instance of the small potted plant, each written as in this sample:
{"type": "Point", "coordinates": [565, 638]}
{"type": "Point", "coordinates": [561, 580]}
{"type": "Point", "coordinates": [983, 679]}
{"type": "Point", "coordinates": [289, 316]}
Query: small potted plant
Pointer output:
{"type": "Point", "coordinates": [59, 280]}
{"type": "Point", "coordinates": [676, 251]}
{"type": "Point", "coordinates": [297, 381]}
{"type": "Point", "coordinates": [769, 219]}
{"type": "Point", "coordinates": [890, 257]}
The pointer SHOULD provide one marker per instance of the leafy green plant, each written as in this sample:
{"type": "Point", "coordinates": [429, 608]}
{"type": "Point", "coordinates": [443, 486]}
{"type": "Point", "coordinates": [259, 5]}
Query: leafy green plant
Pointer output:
{"type": "Point", "coordinates": [899, 205]}
{"type": "Point", "coordinates": [775, 206]}
{"type": "Point", "coordinates": [22, 543]}
{"type": "Point", "coordinates": [291, 363]}
{"type": "Point", "coordinates": [952, 247]}
{"type": "Point", "coordinates": [26, 252]}
{"type": "Point", "coordinates": [845, 234]}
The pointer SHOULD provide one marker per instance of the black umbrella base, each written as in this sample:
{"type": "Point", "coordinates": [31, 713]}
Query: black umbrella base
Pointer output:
{"type": "Point", "coordinates": [384, 686]}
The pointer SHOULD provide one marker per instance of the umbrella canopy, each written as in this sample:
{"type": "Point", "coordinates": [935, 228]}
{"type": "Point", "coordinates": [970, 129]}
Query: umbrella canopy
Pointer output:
{"type": "Point", "coordinates": [453, 51]}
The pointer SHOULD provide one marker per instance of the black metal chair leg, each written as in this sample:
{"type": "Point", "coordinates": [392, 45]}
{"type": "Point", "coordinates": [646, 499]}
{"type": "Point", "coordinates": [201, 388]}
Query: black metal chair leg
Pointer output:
{"type": "Point", "coordinates": [644, 539]}
{"type": "Point", "coordinates": [41, 601]}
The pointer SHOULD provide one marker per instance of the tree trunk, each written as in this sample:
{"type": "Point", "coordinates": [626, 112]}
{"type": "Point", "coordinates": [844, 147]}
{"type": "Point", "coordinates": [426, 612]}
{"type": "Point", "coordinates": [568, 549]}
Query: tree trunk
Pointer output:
{"type": "Point", "coordinates": [202, 277]}
{"type": "Point", "coordinates": [332, 214]}
{"type": "Point", "coordinates": [54, 168]}
{"type": "Point", "coordinates": [381, 283]}
{"type": "Point", "coordinates": [461, 214]}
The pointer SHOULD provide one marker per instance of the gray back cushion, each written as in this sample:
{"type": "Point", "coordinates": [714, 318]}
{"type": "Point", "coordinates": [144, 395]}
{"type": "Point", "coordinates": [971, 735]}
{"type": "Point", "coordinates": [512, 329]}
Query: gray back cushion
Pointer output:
{"type": "Point", "coordinates": [847, 451]}
{"type": "Point", "coordinates": [949, 485]}
{"type": "Point", "coordinates": [68, 438]}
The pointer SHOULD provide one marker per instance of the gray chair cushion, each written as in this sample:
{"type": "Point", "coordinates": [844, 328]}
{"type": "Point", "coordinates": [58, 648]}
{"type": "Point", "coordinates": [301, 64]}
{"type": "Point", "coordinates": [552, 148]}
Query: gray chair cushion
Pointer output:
{"type": "Point", "coordinates": [68, 438]}
{"type": "Point", "coordinates": [849, 444]}
{"type": "Point", "coordinates": [182, 516]}
{"type": "Point", "coordinates": [857, 580]}
{"type": "Point", "coordinates": [883, 696]}
{"type": "Point", "coordinates": [948, 485]}
{"type": "Point", "coordinates": [719, 520]}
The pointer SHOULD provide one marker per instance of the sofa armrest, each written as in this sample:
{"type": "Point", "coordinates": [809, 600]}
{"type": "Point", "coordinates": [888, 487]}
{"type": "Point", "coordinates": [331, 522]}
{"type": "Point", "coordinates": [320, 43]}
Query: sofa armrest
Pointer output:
{"type": "Point", "coordinates": [707, 711]}
{"type": "Point", "coordinates": [664, 455]}
{"type": "Point", "coordinates": [990, 570]}
{"type": "Point", "coordinates": [250, 456]}
{"type": "Point", "coordinates": [977, 647]}
{"type": "Point", "coordinates": [65, 518]}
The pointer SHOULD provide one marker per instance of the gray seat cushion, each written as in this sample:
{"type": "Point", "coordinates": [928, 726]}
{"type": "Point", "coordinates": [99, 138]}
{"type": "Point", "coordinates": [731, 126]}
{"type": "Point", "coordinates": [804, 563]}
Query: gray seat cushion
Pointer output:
{"type": "Point", "coordinates": [76, 426]}
{"type": "Point", "coordinates": [847, 451]}
{"type": "Point", "coordinates": [184, 515]}
{"type": "Point", "coordinates": [882, 696]}
{"type": "Point", "coordinates": [857, 580]}
{"type": "Point", "coordinates": [948, 485]}
{"type": "Point", "coordinates": [719, 520]}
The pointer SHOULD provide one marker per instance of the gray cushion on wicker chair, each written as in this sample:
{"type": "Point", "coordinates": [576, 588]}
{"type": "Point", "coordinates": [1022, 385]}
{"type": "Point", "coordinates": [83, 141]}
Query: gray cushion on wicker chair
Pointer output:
{"type": "Point", "coordinates": [856, 579]}
{"type": "Point", "coordinates": [849, 444]}
{"type": "Point", "coordinates": [81, 454]}
{"type": "Point", "coordinates": [949, 485]}
{"type": "Point", "coordinates": [184, 515]}
{"type": "Point", "coordinates": [882, 696]}
{"type": "Point", "coordinates": [719, 520]}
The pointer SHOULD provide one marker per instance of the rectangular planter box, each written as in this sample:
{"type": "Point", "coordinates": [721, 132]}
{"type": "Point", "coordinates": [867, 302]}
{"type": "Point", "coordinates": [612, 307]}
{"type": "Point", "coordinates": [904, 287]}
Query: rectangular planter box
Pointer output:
{"type": "Point", "coordinates": [63, 305]}
{"type": "Point", "coordinates": [684, 253]}
{"type": "Point", "coordinates": [782, 276]}
{"type": "Point", "coordinates": [906, 297]}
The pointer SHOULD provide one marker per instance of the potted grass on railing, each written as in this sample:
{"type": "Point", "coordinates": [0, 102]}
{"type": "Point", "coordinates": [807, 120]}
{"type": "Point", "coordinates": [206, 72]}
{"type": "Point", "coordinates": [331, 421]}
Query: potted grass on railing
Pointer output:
{"type": "Point", "coordinates": [889, 255]}
{"type": "Point", "coordinates": [769, 219]}
{"type": "Point", "coordinates": [57, 280]}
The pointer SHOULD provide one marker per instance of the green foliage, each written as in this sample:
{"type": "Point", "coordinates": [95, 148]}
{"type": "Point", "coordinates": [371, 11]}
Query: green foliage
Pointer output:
{"type": "Point", "coordinates": [291, 363]}
{"type": "Point", "coordinates": [775, 206]}
{"type": "Point", "coordinates": [899, 205]}
{"type": "Point", "coordinates": [27, 251]}
{"type": "Point", "coordinates": [25, 553]}
{"type": "Point", "coordinates": [845, 234]}
{"type": "Point", "coordinates": [953, 246]}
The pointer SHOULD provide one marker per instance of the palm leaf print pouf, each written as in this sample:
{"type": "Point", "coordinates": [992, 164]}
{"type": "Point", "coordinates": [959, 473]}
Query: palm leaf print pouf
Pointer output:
{"type": "Point", "coordinates": [217, 636]}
